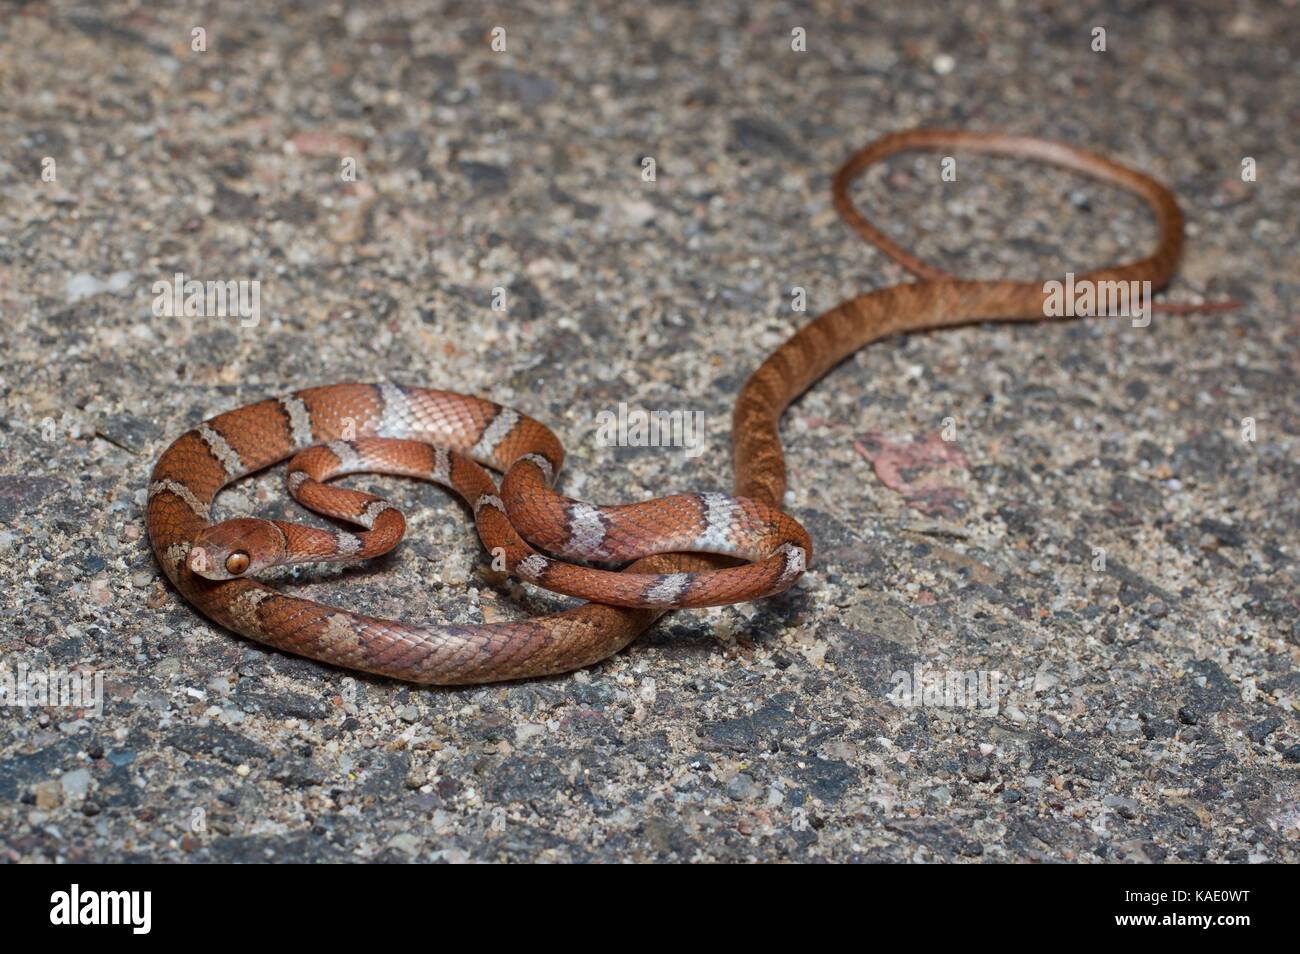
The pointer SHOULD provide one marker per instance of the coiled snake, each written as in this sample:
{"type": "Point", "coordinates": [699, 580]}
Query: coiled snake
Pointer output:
{"type": "Point", "coordinates": [676, 543]}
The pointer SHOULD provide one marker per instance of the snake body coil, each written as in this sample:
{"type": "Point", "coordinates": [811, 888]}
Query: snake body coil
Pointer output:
{"type": "Point", "coordinates": [675, 542]}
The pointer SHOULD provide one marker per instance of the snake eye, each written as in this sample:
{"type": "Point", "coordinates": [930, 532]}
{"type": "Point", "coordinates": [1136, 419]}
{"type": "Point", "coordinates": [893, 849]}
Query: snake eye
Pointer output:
{"type": "Point", "coordinates": [237, 563]}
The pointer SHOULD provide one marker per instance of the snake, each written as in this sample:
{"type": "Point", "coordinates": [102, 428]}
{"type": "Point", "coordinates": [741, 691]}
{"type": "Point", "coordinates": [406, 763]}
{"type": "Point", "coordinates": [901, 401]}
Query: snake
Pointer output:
{"type": "Point", "coordinates": [633, 562]}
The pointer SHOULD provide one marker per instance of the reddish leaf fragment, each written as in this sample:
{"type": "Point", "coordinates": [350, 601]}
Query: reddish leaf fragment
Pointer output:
{"type": "Point", "coordinates": [925, 469]}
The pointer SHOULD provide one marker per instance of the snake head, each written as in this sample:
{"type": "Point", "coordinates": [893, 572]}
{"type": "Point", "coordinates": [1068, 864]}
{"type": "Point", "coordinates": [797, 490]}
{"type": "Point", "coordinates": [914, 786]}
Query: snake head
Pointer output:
{"type": "Point", "coordinates": [236, 548]}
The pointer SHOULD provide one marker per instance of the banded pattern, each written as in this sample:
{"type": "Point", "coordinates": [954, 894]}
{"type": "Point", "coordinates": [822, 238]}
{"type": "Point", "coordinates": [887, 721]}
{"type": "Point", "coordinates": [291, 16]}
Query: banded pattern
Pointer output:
{"type": "Point", "coordinates": [449, 438]}
{"type": "Point", "coordinates": [712, 523]}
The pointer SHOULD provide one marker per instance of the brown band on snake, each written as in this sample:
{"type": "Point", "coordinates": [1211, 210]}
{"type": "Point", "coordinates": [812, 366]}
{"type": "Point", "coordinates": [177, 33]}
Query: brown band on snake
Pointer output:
{"type": "Point", "coordinates": [445, 437]}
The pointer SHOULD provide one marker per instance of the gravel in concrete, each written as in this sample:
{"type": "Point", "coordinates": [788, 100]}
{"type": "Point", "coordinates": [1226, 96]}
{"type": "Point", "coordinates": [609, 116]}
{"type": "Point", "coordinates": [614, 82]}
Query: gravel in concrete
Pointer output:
{"type": "Point", "coordinates": [1099, 550]}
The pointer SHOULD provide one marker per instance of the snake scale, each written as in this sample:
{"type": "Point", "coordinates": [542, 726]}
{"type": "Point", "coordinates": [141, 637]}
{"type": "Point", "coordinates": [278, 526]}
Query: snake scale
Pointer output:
{"type": "Point", "coordinates": [682, 549]}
